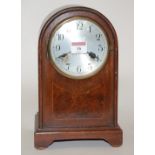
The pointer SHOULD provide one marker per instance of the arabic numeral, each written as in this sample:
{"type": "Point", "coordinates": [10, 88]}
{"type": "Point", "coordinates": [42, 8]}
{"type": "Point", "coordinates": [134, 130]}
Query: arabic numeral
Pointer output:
{"type": "Point", "coordinates": [98, 37]}
{"type": "Point", "coordinates": [90, 67]}
{"type": "Point", "coordinates": [57, 47]}
{"type": "Point", "coordinates": [90, 29]}
{"type": "Point", "coordinates": [80, 26]}
{"type": "Point", "coordinates": [78, 69]}
{"type": "Point", "coordinates": [100, 48]}
{"type": "Point", "coordinates": [60, 37]}
{"type": "Point", "coordinates": [68, 65]}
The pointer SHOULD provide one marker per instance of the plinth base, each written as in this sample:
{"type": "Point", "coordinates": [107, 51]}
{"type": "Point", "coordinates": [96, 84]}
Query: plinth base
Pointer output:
{"type": "Point", "coordinates": [43, 138]}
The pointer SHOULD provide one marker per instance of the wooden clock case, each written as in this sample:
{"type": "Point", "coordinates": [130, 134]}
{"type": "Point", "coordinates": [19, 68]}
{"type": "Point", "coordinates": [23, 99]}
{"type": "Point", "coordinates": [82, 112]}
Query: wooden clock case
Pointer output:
{"type": "Point", "coordinates": [77, 109]}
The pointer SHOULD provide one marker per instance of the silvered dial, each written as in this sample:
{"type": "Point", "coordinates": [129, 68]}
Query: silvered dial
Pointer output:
{"type": "Point", "coordinates": [78, 48]}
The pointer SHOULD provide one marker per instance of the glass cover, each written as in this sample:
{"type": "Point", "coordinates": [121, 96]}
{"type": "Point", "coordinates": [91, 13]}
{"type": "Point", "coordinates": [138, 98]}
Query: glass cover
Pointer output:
{"type": "Point", "coordinates": [78, 48]}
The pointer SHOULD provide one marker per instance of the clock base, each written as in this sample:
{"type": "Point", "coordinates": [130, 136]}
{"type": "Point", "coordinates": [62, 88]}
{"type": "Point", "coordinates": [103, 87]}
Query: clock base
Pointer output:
{"type": "Point", "coordinates": [44, 137]}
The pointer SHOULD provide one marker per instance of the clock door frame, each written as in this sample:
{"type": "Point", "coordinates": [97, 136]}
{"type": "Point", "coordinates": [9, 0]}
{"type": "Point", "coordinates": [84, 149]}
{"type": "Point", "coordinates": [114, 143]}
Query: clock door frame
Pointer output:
{"type": "Point", "coordinates": [45, 134]}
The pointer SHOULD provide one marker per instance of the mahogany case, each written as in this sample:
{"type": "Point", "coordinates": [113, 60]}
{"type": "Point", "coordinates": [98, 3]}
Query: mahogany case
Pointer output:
{"type": "Point", "coordinates": [77, 109]}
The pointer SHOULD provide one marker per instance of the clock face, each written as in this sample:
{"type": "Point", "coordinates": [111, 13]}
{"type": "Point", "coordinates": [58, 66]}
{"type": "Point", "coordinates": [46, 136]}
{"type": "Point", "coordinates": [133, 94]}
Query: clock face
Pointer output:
{"type": "Point", "coordinates": [78, 48]}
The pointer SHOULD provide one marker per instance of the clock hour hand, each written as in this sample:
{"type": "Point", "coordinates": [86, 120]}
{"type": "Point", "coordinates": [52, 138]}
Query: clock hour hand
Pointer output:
{"type": "Point", "coordinates": [63, 55]}
{"type": "Point", "coordinates": [93, 55]}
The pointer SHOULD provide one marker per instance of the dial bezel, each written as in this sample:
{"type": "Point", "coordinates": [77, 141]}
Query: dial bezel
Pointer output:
{"type": "Point", "coordinates": [59, 25]}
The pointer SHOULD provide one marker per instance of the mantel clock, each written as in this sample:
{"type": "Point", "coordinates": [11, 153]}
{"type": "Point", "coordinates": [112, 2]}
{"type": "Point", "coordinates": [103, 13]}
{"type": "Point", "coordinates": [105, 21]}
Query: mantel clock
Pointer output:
{"type": "Point", "coordinates": [78, 76]}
